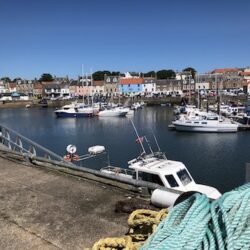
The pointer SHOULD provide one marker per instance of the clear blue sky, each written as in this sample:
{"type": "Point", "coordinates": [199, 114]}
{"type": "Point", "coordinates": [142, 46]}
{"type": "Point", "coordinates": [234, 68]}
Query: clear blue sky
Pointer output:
{"type": "Point", "coordinates": [58, 36]}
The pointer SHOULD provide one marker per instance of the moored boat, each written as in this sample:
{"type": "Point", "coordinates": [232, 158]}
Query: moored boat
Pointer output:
{"type": "Point", "coordinates": [118, 112]}
{"type": "Point", "coordinates": [154, 167]}
{"type": "Point", "coordinates": [75, 110]}
{"type": "Point", "coordinates": [209, 122]}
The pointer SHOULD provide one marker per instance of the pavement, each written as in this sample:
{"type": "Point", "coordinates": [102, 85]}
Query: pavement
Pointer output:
{"type": "Point", "coordinates": [43, 209]}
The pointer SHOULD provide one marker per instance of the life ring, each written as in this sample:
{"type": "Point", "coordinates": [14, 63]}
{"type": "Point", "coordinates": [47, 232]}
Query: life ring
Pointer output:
{"type": "Point", "coordinates": [67, 157]}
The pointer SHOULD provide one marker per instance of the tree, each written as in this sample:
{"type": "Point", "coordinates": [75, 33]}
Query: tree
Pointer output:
{"type": "Point", "coordinates": [99, 75]}
{"type": "Point", "coordinates": [165, 74]}
{"type": "Point", "coordinates": [149, 74]}
{"type": "Point", "coordinates": [115, 73]}
{"type": "Point", "coordinates": [191, 70]}
{"type": "Point", "coordinates": [46, 77]}
{"type": "Point", "coordinates": [6, 79]}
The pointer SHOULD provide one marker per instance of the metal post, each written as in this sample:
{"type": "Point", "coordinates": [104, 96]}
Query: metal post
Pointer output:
{"type": "Point", "coordinates": [189, 89]}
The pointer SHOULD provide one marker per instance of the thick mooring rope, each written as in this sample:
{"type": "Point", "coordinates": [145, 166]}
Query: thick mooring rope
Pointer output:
{"type": "Point", "coordinates": [197, 223]}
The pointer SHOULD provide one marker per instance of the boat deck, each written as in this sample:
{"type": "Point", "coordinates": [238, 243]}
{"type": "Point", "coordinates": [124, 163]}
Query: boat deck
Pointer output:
{"type": "Point", "coordinates": [43, 209]}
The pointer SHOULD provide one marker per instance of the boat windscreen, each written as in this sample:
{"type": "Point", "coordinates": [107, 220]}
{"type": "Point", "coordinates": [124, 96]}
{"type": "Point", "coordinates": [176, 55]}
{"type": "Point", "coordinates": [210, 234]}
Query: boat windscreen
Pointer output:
{"type": "Point", "coordinates": [184, 177]}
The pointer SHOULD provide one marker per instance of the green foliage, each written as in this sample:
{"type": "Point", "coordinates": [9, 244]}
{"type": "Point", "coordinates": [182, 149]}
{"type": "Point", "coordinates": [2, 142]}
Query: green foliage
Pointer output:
{"type": "Point", "coordinates": [46, 77]}
{"type": "Point", "coordinates": [192, 70]}
{"type": "Point", "coordinates": [99, 75]}
{"type": "Point", "coordinates": [165, 74]}
{"type": "Point", "coordinates": [6, 79]}
{"type": "Point", "coordinates": [149, 74]}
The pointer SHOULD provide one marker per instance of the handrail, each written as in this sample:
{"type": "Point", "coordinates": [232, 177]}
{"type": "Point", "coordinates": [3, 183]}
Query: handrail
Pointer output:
{"type": "Point", "coordinates": [19, 143]}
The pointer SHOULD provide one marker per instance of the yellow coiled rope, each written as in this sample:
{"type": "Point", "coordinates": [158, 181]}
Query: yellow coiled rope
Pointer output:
{"type": "Point", "coordinates": [124, 243]}
{"type": "Point", "coordinates": [142, 223]}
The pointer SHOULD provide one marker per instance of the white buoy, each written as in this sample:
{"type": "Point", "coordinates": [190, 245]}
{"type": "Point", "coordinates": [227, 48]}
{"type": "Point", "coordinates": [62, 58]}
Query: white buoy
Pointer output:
{"type": "Point", "coordinates": [71, 149]}
{"type": "Point", "coordinates": [96, 150]}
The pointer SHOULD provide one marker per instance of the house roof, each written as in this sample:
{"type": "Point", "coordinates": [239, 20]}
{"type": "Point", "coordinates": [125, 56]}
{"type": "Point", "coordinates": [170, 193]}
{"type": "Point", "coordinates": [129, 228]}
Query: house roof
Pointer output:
{"type": "Point", "coordinates": [98, 83]}
{"type": "Point", "coordinates": [225, 70]}
{"type": "Point", "coordinates": [131, 80]}
{"type": "Point", "coordinates": [246, 73]}
{"type": "Point", "coordinates": [37, 86]}
{"type": "Point", "coordinates": [53, 86]}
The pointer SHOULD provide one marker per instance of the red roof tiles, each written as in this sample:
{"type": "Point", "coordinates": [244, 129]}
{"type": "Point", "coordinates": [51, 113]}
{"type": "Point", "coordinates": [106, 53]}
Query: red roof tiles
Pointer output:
{"type": "Point", "coordinates": [226, 70]}
{"type": "Point", "coordinates": [245, 73]}
{"type": "Point", "coordinates": [131, 80]}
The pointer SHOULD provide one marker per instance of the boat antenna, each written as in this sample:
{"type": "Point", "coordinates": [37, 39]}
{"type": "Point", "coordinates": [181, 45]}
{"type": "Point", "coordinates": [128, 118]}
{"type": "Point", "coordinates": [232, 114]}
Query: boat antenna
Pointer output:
{"type": "Point", "coordinates": [138, 137]}
{"type": "Point", "coordinates": [156, 142]}
{"type": "Point", "coordinates": [149, 145]}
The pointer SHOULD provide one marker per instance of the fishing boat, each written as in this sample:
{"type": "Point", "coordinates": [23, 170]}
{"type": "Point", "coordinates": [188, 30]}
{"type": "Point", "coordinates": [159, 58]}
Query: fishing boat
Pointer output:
{"type": "Point", "coordinates": [154, 167]}
{"type": "Point", "coordinates": [207, 122]}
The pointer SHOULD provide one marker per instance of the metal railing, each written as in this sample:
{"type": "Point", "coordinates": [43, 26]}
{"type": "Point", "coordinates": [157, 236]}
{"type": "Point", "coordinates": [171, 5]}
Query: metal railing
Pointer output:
{"type": "Point", "coordinates": [19, 143]}
{"type": "Point", "coordinates": [40, 155]}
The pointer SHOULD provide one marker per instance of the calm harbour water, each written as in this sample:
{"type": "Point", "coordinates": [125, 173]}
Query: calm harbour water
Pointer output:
{"type": "Point", "coordinates": [214, 159]}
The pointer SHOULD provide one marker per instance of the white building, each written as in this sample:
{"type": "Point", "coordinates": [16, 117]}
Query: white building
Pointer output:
{"type": "Point", "coordinates": [149, 85]}
{"type": "Point", "coordinates": [3, 88]}
{"type": "Point", "coordinates": [202, 85]}
{"type": "Point", "coordinates": [55, 91]}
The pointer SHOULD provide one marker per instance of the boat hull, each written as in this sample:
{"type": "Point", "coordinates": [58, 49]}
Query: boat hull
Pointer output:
{"type": "Point", "coordinates": [220, 128]}
{"type": "Point", "coordinates": [112, 114]}
{"type": "Point", "coordinates": [72, 115]}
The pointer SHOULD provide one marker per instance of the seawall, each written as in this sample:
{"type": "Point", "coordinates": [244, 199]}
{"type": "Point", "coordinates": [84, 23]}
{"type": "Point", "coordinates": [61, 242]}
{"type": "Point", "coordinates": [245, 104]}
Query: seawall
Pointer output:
{"type": "Point", "coordinates": [41, 208]}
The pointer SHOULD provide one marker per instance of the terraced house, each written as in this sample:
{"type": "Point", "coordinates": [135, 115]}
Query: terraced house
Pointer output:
{"type": "Point", "coordinates": [131, 86]}
{"type": "Point", "coordinates": [111, 85]}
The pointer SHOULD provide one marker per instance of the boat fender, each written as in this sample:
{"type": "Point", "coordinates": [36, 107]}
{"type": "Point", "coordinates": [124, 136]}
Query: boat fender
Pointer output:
{"type": "Point", "coordinates": [163, 198]}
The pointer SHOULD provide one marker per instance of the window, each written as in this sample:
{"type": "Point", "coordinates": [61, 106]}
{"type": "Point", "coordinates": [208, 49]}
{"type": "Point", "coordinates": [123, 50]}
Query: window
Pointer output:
{"type": "Point", "coordinates": [171, 180]}
{"type": "Point", "coordinates": [184, 177]}
{"type": "Point", "coordinates": [212, 118]}
{"type": "Point", "coordinates": [151, 178]}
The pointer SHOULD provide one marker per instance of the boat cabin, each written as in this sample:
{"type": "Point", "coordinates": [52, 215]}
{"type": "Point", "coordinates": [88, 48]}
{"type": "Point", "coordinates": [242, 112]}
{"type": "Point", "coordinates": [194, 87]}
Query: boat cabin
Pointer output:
{"type": "Point", "coordinates": [171, 174]}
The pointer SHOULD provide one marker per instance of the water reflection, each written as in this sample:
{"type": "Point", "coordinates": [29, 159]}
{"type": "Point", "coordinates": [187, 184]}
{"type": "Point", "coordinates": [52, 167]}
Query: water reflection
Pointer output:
{"type": "Point", "coordinates": [214, 159]}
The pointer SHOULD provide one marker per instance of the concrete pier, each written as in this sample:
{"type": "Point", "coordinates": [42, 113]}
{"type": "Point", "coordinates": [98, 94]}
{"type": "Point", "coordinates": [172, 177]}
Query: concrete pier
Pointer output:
{"type": "Point", "coordinates": [43, 209]}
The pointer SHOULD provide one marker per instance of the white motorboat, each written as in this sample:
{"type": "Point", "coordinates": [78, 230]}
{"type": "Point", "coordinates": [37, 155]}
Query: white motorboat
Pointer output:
{"type": "Point", "coordinates": [156, 168]}
{"type": "Point", "coordinates": [75, 110]}
{"type": "Point", "coordinates": [136, 106]}
{"type": "Point", "coordinates": [118, 112]}
{"type": "Point", "coordinates": [207, 122]}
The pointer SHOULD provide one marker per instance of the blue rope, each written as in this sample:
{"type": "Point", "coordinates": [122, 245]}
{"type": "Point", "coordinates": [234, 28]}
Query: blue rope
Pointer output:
{"type": "Point", "coordinates": [196, 223]}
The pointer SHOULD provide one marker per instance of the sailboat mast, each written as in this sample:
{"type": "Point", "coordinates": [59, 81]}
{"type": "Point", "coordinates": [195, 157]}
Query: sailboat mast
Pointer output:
{"type": "Point", "coordinates": [82, 83]}
{"type": "Point", "coordinates": [91, 81]}
{"type": "Point", "coordinates": [87, 84]}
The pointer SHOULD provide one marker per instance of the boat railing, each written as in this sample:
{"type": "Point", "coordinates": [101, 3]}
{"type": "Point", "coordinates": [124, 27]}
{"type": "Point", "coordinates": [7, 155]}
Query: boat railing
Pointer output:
{"type": "Point", "coordinates": [19, 143]}
{"type": "Point", "coordinates": [118, 170]}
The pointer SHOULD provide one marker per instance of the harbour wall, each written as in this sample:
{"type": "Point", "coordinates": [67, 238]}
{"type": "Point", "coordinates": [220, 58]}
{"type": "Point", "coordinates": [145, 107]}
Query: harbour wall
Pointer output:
{"type": "Point", "coordinates": [152, 101]}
